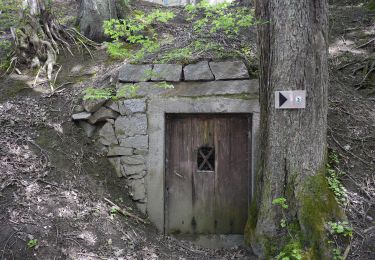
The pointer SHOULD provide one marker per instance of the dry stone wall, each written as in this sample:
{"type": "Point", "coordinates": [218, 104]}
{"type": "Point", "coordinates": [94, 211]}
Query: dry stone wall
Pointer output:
{"type": "Point", "coordinates": [122, 126]}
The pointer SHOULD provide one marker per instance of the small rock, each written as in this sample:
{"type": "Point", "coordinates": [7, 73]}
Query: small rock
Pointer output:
{"type": "Point", "coordinates": [81, 116]}
{"type": "Point", "coordinates": [102, 114]}
{"type": "Point", "coordinates": [134, 169]}
{"type": "Point", "coordinates": [92, 105]}
{"type": "Point", "coordinates": [138, 191]}
{"type": "Point", "coordinates": [107, 135]}
{"type": "Point", "coordinates": [131, 106]}
{"type": "Point", "coordinates": [142, 208]}
{"type": "Point", "coordinates": [198, 71]}
{"type": "Point", "coordinates": [119, 151]}
{"type": "Point", "coordinates": [88, 128]}
{"type": "Point", "coordinates": [135, 73]}
{"type": "Point", "coordinates": [78, 109]}
{"type": "Point", "coordinates": [112, 105]}
{"type": "Point", "coordinates": [116, 163]}
{"type": "Point", "coordinates": [119, 252]}
{"type": "Point", "coordinates": [167, 72]}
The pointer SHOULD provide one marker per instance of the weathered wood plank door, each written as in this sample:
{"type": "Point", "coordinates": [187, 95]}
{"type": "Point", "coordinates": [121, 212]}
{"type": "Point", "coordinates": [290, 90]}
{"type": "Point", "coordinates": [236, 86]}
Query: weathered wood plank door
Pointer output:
{"type": "Point", "coordinates": [207, 181]}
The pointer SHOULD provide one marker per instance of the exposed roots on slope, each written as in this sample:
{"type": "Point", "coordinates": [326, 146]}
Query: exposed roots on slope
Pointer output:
{"type": "Point", "coordinates": [39, 41]}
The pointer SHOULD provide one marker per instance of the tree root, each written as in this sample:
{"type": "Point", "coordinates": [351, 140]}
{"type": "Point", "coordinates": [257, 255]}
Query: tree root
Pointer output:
{"type": "Point", "coordinates": [41, 39]}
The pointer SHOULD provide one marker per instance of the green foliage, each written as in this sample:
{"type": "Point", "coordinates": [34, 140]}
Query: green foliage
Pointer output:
{"type": "Point", "coordinates": [138, 31]}
{"type": "Point", "coordinates": [32, 243]}
{"type": "Point", "coordinates": [5, 48]}
{"type": "Point", "coordinates": [9, 13]}
{"type": "Point", "coordinates": [114, 210]}
{"type": "Point", "coordinates": [340, 228]}
{"type": "Point", "coordinates": [291, 251]}
{"type": "Point", "coordinates": [126, 91]}
{"type": "Point", "coordinates": [222, 17]}
{"type": "Point", "coordinates": [333, 178]}
{"type": "Point", "coordinates": [197, 47]}
{"type": "Point", "coordinates": [117, 50]}
{"type": "Point", "coordinates": [164, 85]}
{"type": "Point", "coordinates": [371, 5]}
{"type": "Point", "coordinates": [280, 201]}
{"type": "Point", "coordinates": [93, 93]}
{"type": "Point", "coordinates": [337, 254]}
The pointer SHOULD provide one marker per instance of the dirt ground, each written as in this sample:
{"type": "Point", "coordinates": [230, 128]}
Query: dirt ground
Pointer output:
{"type": "Point", "coordinates": [53, 180]}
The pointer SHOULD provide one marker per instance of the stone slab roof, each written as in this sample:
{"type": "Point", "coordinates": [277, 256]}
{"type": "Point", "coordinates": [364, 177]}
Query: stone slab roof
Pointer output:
{"type": "Point", "coordinates": [200, 79]}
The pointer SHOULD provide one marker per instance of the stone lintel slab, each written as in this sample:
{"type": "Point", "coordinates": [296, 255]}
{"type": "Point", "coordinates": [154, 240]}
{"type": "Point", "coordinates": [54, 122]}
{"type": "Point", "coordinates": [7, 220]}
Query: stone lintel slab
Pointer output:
{"type": "Point", "coordinates": [167, 72]}
{"type": "Point", "coordinates": [135, 73]}
{"type": "Point", "coordinates": [212, 88]}
{"type": "Point", "coordinates": [229, 70]}
{"type": "Point", "coordinates": [150, 88]}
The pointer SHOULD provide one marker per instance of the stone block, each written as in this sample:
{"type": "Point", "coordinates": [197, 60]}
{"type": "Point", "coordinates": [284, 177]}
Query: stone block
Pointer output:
{"type": "Point", "coordinates": [131, 125]}
{"type": "Point", "coordinates": [119, 151]}
{"type": "Point", "coordinates": [130, 106]}
{"type": "Point", "coordinates": [112, 105]}
{"type": "Point", "coordinates": [130, 170]}
{"type": "Point", "coordinates": [141, 206]}
{"type": "Point", "coordinates": [102, 115]}
{"type": "Point", "coordinates": [92, 105]}
{"type": "Point", "coordinates": [81, 116]}
{"type": "Point", "coordinates": [198, 71]}
{"type": "Point", "coordinates": [135, 73]}
{"type": "Point", "coordinates": [133, 160]}
{"type": "Point", "coordinates": [229, 70]}
{"type": "Point", "coordinates": [167, 72]}
{"type": "Point", "coordinates": [138, 190]}
{"type": "Point", "coordinates": [88, 128]}
{"type": "Point", "coordinates": [107, 135]}
{"type": "Point", "coordinates": [138, 175]}
{"type": "Point", "coordinates": [116, 163]}
{"type": "Point", "coordinates": [136, 142]}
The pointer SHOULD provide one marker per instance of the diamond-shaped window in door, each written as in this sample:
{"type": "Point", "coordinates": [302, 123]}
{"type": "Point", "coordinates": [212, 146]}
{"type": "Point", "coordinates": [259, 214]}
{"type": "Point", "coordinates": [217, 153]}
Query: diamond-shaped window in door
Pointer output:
{"type": "Point", "coordinates": [206, 158]}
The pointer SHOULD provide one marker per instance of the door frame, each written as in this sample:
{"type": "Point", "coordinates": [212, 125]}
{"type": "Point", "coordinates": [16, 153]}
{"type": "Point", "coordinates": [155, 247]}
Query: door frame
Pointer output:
{"type": "Point", "coordinates": [158, 107]}
{"type": "Point", "coordinates": [206, 115]}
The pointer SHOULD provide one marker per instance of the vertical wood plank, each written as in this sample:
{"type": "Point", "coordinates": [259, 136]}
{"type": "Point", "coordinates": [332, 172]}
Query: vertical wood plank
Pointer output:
{"type": "Point", "coordinates": [203, 181]}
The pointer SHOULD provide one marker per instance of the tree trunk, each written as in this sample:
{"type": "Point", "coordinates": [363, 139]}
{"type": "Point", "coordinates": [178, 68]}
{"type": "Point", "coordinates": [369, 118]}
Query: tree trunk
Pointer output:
{"type": "Point", "coordinates": [92, 14]}
{"type": "Point", "coordinates": [293, 56]}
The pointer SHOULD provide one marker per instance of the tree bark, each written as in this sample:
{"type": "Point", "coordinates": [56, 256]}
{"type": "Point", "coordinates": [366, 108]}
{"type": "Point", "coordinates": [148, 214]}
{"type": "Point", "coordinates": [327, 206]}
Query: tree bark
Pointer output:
{"type": "Point", "coordinates": [92, 14]}
{"type": "Point", "coordinates": [293, 56]}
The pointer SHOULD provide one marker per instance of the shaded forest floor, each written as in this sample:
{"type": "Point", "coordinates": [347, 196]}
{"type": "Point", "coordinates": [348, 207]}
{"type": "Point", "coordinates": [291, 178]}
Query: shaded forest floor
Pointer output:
{"type": "Point", "coordinates": [53, 180]}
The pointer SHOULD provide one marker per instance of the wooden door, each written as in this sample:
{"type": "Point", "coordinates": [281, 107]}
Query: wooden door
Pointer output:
{"type": "Point", "coordinates": [207, 181]}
